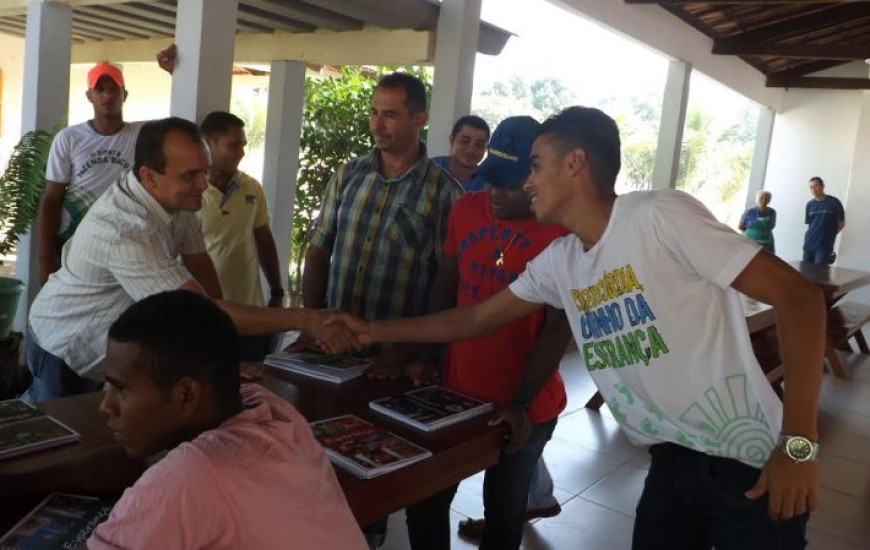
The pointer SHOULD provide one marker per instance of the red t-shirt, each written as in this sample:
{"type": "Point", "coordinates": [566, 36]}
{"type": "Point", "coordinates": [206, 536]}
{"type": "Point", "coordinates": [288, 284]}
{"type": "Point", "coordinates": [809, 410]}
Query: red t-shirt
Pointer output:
{"type": "Point", "coordinates": [489, 368]}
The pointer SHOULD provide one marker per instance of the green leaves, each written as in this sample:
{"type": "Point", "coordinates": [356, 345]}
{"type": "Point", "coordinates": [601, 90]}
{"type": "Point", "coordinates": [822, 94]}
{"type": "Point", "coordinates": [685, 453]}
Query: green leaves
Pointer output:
{"type": "Point", "coordinates": [21, 186]}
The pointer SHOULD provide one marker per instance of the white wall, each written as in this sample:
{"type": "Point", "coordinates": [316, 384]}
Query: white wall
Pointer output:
{"type": "Point", "coordinates": [814, 135]}
{"type": "Point", "coordinates": [12, 65]}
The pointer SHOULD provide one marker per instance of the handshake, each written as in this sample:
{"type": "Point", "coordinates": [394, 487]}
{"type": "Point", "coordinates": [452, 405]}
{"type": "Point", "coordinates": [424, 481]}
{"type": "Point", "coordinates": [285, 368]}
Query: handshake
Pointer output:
{"type": "Point", "coordinates": [335, 332]}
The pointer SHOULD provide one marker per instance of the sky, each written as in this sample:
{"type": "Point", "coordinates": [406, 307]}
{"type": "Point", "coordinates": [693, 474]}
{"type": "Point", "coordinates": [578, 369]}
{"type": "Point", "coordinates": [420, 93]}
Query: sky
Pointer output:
{"type": "Point", "coordinates": [589, 58]}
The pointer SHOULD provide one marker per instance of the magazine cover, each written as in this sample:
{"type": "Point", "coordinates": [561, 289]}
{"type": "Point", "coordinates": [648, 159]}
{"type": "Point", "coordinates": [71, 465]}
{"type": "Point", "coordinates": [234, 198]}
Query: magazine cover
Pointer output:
{"type": "Point", "coordinates": [313, 358]}
{"type": "Point", "coordinates": [430, 408]}
{"type": "Point", "coordinates": [59, 522]}
{"type": "Point", "coordinates": [33, 434]}
{"type": "Point", "coordinates": [363, 448]}
{"type": "Point", "coordinates": [13, 410]}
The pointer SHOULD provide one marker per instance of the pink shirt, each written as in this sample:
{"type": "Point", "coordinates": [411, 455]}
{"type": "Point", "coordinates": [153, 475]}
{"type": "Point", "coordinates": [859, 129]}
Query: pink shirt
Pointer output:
{"type": "Point", "coordinates": [260, 480]}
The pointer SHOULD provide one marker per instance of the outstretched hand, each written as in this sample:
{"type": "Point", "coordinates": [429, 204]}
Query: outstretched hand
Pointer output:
{"type": "Point", "coordinates": [334, 338]}
{"type": "Point", "coordinates": [515, 416]}
{"type": "Point", "coordinates": [792, 489]}
{"type": "Point", "coordinates": [166, 58]}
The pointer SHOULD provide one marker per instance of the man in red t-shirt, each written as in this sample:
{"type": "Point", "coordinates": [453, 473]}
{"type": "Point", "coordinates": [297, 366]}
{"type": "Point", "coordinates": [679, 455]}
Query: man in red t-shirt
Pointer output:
{"type": "Point", "coordinates": [491, 236]}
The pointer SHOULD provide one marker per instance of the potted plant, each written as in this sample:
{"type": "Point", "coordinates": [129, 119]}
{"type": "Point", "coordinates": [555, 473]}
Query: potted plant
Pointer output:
{"type": "Point", "coordinates": [21, 185]}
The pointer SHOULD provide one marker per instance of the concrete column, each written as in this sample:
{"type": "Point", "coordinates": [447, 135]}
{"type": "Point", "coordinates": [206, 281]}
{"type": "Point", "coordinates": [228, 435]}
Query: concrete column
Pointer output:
{"type": "Point", "coordinates": [205, 34]}
{"type": "Point", "coordinates": [671, 127]}
{"type": "Point", "coordinates": [763, 135]}
{"type": "Point", "coordinates": [281, 155]}
{"type": "Point", "coordinates": [45, 103]}
{"type": "Point", "coordinates": [853, 250]}
{"type": "Point", "coordinates": [455, 48]}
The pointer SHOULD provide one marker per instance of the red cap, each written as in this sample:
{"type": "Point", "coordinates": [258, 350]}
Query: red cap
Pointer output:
{"type": "Point", "coordinates": [104, 68]}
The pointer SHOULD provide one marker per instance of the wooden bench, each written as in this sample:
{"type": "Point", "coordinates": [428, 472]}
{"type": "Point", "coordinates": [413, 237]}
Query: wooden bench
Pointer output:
{"type": "Point", "coordinates": [845, 321]}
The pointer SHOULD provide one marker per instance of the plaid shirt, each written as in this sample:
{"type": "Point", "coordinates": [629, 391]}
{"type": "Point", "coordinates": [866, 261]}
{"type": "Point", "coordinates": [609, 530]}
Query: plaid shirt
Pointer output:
{"type": "Point", "coordinates": [385, 236]}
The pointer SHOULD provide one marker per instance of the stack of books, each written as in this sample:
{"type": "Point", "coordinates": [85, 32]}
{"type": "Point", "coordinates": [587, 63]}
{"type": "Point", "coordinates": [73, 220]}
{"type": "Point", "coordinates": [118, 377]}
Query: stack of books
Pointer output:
{"type": "Point", "coordinates": [364, 449]}
{"type": "Point", "coordinates": [330, 368]}
{"type": "Point", "coordinates": [430, 408]}
{"type": "Point", "coordinates": [24, 429]}
{"type": "Point", "coordinates": [58, 522]}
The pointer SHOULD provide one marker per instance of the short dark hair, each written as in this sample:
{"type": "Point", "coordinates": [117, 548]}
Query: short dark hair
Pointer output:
{"type": "Point", "coordinates": [216, 123]}
{"type": "Point", "coordinates": [152, 136]}
{"type": "Point", "coordinates": [470, 120]}
{"type": "Point", "coordinates": [415, 90]}
{"type": "Point", "coordinates": [593, 131]}
{"type": "Point", "coordinates": [183, 333]}
{"type": "Point", "coordinates": [818, 179]}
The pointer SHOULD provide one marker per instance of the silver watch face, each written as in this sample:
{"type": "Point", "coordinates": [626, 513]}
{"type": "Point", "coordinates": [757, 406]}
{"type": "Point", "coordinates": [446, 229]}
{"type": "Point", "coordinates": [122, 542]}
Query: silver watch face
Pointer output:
{"type": "Point", "coordinates": [799, 449]}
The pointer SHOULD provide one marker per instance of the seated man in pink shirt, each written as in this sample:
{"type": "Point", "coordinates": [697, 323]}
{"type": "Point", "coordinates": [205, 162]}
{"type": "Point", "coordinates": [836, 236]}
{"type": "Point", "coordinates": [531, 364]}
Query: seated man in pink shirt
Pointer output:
{"type": "Point", "coordinates": [243, 471]}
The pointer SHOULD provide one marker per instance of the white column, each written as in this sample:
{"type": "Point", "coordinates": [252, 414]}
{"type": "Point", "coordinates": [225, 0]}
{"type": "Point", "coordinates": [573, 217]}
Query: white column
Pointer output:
{"type": "Point", "coordinates": [205, 34]}
{"type": "Point", "coordinates": [671, 126]}
{"type": "Point", "coordinates": [853, 250]}
{"type": "Point", "coordinates": [763, 135]}
{"type": "Point", "coordinates": [45, 103]}
{"type": "Point", "coordinates": [455, 48]}
{"type": "Point", "coordinates": [281, 155]}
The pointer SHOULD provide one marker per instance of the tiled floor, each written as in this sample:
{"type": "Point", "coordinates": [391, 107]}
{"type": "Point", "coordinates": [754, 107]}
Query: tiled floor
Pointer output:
{"type": "Point", "coordinates": [599, 475]}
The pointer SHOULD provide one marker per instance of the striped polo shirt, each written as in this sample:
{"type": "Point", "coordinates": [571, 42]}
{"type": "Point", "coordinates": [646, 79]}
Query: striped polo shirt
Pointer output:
{"type": "Point", "coordinates": [384, 235]}
{"type": "Point", "coordinates": [126, 248]}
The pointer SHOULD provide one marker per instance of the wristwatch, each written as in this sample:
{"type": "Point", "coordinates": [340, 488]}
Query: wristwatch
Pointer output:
{"type": "Point", "coordinates": [798, 448]}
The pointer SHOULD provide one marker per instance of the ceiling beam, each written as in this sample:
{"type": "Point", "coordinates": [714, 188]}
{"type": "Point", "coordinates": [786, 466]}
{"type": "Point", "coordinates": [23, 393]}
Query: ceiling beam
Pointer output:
{"type": "Point", "coordinates": [799, 25]}
{"type": "Point", "coordinates": [794, 51]}
{"type": "Point", "coordinates": [818, 82]}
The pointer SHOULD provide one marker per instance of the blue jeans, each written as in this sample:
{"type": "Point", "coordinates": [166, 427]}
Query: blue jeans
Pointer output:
{"type": "Point", "coordinates": [818, 256]}
{"type": "Point", "coordinates": [505, 491]}
{"type": "Point", "coordinates": [541, 489]}
{"type": "Point", "coordinates": [52, 378]}
{"type": "Point", "coordinates": [692, 501]}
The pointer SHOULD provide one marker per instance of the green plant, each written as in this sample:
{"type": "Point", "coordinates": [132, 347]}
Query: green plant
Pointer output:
{"type": "Point", "coordinates": [21, 186]}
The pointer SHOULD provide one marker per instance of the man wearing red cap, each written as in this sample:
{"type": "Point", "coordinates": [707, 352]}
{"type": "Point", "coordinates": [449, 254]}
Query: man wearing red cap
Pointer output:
{"type": "Point", "coordinates": [85, 159]}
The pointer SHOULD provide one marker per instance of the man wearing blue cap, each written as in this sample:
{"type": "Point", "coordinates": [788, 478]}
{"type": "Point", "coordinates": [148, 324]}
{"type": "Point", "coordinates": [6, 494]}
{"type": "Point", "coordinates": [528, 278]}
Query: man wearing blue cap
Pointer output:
{"type": "Point", "coordinates": [651, 283]}
{"type": "Point", "coordinates": [490, 237]}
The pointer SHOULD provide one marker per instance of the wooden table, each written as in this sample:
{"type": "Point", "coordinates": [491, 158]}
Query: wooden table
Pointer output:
{"type": "Point", "coordinates": [97, 464]}
{"type": "Point", "coordinates": [835, 282]}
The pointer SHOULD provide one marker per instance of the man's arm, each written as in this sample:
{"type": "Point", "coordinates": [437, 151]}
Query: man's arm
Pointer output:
{"type": "Point", "coordinates": [202, 269]}
{"type": "Point", "coordinates": [267, 253]}
{"type": "Point", "coordinates": [537, 369]}
{"type": "Point", "coordinates": [461, 323]}
{"type": "Point", "coordinates": [840, 225]}
{"type": "Point", "coordinates": [258, 321]}
{"type": "Point", "coordinates": [50, 210]}
{"type": "Point", "coordinates": [800, 312]}
{"type": "Point", "coordinates": [315, 276]}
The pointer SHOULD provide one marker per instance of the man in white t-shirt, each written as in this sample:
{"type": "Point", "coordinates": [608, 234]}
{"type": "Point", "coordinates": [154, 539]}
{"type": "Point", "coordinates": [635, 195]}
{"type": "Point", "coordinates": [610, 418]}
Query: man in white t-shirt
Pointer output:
{"type": "Point", "coordinates": [650, 282]}
{"type": "Point", "coordinates": [85, 159]}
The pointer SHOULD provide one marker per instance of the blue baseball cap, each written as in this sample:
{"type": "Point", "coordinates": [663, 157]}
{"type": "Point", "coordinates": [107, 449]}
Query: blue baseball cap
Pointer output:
{"type": "Point", "coordinates": [507, 160]}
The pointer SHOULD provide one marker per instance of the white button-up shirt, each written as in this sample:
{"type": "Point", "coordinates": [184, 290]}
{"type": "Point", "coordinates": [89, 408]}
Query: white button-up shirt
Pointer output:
{"type": "Point", "coordinates": [126, 248]}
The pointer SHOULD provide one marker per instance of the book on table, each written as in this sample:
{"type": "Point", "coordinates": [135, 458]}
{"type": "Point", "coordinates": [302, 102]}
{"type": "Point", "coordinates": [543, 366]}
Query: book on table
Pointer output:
{"type": "Point", "coordinates": [431, 408]}
{"type": "Point", "coordinates": [315, 364]}
{"type": "Point", "coordinates": [25, 429]}
{"type": "Point", "coordinates": [60, 521]}
{"type": "Point", "coordinates": [363, 449]}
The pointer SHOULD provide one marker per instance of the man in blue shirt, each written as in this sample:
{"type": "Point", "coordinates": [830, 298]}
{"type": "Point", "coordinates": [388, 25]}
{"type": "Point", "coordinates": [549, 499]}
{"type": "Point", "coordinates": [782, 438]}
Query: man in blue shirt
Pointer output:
{"type": "Point", "coordinates": [825, 218]}
{"type": "Point", "coordinates": [468, 140]}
